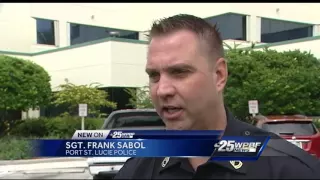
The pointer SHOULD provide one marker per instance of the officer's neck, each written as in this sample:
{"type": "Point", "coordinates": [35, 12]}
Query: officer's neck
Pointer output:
{"type": "Point", "coordinates": [219, 123]}
{"type": "Point", "coordinates": [217, 120]}
{"type": "Point", "coordinates": [196, 162]}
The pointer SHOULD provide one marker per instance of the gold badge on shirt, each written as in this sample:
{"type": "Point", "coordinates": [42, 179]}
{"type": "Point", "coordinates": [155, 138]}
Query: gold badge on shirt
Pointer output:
{"type": "Point", "coordinates": [236, 164]}
{"type": "Point", "coordinates": [165, 161]}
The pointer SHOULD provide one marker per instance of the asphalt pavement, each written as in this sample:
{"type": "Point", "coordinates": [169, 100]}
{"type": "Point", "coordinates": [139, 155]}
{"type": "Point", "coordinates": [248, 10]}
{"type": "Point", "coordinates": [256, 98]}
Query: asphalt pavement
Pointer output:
{"type": "Point", "coordinates": [51, 168]}
{"type": "Point", "coordinates": [79, 173]}
{"type": "Point", "coordinates": [40, 160]}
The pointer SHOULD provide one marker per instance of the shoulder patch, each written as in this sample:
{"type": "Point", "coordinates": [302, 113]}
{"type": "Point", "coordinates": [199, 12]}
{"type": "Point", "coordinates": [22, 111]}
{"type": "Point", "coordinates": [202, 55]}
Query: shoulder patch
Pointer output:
{"type": "Point", "coordinates": [271, 152]}
{"type": "Point", "coordinates": [281, 147]}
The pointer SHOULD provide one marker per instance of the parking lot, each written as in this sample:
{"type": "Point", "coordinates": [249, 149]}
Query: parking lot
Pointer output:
{"type": "Point", "coordinates": [45, 169]}
{"type": "Point", "coordinates": [78, 173]}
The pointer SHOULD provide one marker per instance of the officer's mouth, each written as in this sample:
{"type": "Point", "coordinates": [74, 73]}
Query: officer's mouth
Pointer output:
{"type": "Point", "coordinates": [171, 113]}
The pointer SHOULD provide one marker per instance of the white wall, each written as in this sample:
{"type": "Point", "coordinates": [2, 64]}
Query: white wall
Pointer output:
{"type": "Point", "coordinates": [128, 64]}
{"type": "Point", "coordinates": [82, 65]}
{"type": "Point", "coordinates": [17, 29]}
{"type": "Point", "coordinates": [109, 63]}
{"type": "Point", "coordinates": [30, 114]}
{"type": "Point", "coordinates": [309, 46]}
{"type": "Point", "coordinates": [18, 26]}
{"type": "Point", "coordinates": [119, 62]}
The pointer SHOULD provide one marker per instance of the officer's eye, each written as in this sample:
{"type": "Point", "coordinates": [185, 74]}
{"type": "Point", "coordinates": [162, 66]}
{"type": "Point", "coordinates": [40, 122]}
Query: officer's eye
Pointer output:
{"type": "Point", "coordinates": [179, 72]}
{"type": "Point", "coordinates": [154, 76]}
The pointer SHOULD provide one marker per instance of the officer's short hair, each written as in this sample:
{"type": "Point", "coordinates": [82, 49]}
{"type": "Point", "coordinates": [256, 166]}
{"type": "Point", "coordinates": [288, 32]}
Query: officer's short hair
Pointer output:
{"type": "Point", "coordinates": [207, 33]}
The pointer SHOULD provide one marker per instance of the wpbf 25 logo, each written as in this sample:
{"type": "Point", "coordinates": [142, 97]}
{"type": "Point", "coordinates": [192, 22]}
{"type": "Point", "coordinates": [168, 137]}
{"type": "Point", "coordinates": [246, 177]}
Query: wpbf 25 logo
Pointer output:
{"type": "Point", "coordinates": [233, 146]}
{"type": "Point", "coordinates": [121, 135]}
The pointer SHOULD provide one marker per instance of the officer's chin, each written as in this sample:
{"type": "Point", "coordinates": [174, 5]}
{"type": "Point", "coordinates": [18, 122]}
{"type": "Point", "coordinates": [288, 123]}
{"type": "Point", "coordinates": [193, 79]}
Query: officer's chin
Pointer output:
{"type": "Point", "coordinates": [179, 128]}
{"type": "Point", "coordinates": [171, 128]}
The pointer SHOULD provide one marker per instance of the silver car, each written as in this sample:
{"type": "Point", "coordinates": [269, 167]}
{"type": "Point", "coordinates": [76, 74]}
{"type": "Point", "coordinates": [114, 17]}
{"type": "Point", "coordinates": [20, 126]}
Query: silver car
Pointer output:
{"type": "Point", "coordinates": [137, 119]}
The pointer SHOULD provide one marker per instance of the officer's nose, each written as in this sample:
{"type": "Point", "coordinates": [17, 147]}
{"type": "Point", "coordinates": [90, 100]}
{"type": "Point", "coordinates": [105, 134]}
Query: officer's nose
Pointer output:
{"type": "Point", "coordinates": [165, 88]}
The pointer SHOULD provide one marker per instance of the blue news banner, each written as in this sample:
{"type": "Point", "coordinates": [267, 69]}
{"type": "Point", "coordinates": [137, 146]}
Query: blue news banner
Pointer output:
{"type": "Point", "coordinates": [153, 143]}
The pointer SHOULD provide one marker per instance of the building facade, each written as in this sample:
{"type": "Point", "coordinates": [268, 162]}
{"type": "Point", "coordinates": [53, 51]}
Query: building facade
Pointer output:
{"type": "Point", "coordinates": [106, 43]}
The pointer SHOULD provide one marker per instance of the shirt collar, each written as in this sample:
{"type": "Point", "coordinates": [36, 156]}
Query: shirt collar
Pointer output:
{"type": "Point", "coordinates": [234, 128]}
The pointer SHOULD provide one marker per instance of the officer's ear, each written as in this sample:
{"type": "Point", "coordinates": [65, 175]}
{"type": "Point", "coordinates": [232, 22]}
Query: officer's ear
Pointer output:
{"type": "Point", "coordinates": [220, 73]}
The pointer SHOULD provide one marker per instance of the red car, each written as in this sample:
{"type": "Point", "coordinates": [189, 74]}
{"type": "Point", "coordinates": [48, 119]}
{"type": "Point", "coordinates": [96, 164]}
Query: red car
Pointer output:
{"type": "Point", "coordinates": [297, 129]}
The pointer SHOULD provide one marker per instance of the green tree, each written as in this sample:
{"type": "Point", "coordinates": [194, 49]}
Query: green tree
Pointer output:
{"type": "Point", "coordinates": [140, 97]}
{"type": "Point", "coordinates": [283, 82]}
{"type": "Point", "coordinates": [73, 95]}
{"type": "Point", "coordinates": [23, 85]}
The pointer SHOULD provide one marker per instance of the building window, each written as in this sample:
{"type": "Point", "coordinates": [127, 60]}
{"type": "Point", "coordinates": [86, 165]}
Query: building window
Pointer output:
{"type": "Point", "coordinates": [231, 26]}
{"type": "Point", "coordinates": [75, 30]}
{"type": "Point", "coordinates": [45, 32]}
{"type": "Point", "coordinates": [276, 30]}
{"type": "Point", "coordinates": [84, 33]}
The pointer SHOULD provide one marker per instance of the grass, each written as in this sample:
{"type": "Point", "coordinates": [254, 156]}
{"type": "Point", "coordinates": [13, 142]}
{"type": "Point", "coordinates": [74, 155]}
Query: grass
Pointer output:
{"type": "Point", "coordinates": [15, 148]}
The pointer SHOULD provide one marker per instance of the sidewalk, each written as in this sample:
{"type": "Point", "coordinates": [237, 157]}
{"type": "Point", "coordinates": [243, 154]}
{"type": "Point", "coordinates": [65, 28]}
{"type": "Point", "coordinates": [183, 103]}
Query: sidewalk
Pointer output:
{"type": "Point", "coordinates": [42, 160]}
{"type": "Point", "coordinates": [43, 164]}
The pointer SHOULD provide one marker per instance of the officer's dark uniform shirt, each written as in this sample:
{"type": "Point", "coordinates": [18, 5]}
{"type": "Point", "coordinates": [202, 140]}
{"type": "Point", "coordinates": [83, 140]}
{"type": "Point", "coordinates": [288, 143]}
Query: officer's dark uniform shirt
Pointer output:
{"type": "Point", "coordinates": [280, 160]}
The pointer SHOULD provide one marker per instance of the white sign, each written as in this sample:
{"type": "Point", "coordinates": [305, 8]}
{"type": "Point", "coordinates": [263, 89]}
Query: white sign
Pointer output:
{"type": "Point", "coordinates": [83, 110]}
{"type": "Point", "coordinates": [253, 107]}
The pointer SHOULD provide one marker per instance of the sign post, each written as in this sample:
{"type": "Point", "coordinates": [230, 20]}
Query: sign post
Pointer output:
{"type": "Point", "coordinates": [83, 112]}
{"type": "Point", "coordinates": [253, 107]}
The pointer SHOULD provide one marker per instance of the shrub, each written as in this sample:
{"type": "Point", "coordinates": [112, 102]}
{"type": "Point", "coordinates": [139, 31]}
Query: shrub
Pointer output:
{"type": "Point", "coordinates": [6, 126]}
{"type": "Point", "coordinates": [317, 123]}
{"type": "Point", "coordinates": [72, 95]}
{"type": "Point", "coordinates": [61, 127]}
{"type": "Point", "coordinates": [140, 97]}
{"type": "Point", "coordinates": [17, 144]}
{"type": "Point", "coordinates": [13, 148]}
{"type": "Point", "coordinates": [32, 127]}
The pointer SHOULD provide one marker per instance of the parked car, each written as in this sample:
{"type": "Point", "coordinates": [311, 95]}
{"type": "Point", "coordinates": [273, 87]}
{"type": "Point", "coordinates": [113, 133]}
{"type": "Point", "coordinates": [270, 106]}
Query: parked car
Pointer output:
{"type": "Point", "coordinates": [297, 129]}
{"type": "Point", "coordinates": [107, 167]}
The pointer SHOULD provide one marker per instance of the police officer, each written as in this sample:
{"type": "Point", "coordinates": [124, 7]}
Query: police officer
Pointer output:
{"type": "Point", "coordinates": [187, 74]}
